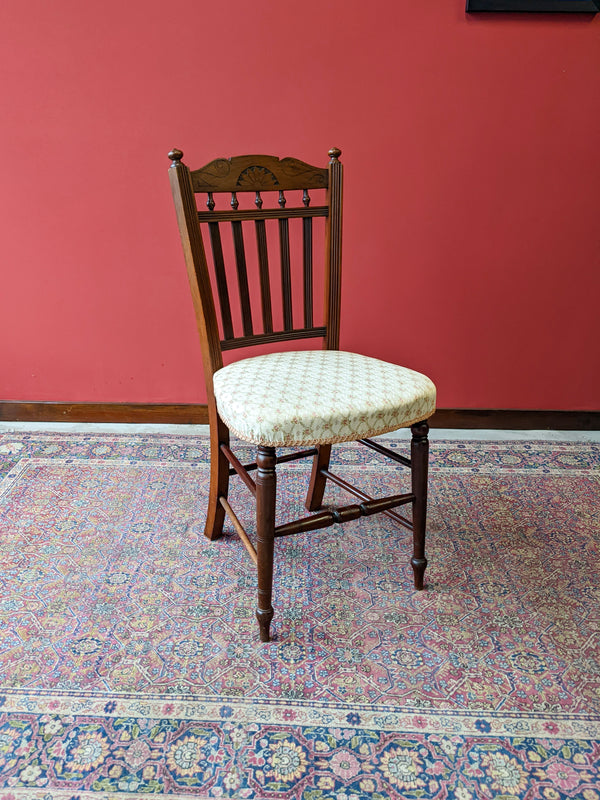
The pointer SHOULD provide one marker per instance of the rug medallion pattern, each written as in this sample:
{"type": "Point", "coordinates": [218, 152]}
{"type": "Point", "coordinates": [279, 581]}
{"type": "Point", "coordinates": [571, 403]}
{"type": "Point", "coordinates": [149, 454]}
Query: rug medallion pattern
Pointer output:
{"type": "Point", "coordinates": [129, 658]}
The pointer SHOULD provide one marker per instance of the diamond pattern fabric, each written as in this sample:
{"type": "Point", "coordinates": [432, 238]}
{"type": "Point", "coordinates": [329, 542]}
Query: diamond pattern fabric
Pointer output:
{"type": "Point", "coordinates": [319, 397]}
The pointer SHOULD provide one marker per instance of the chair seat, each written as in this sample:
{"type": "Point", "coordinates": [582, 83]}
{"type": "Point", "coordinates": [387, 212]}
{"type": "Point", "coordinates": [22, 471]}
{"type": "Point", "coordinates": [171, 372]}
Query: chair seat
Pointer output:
{"type": "Point", "coordinates": [314, 397]}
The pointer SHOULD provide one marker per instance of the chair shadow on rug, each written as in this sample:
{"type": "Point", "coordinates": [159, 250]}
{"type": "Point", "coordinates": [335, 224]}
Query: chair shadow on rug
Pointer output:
{"type": "Point", "coordinates": [304, 398]}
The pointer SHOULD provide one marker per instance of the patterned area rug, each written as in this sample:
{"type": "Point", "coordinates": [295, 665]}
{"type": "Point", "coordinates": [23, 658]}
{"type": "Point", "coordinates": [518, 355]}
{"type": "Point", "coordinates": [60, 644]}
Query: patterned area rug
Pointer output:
{"type": "Point", "coordinates": [129, 656]}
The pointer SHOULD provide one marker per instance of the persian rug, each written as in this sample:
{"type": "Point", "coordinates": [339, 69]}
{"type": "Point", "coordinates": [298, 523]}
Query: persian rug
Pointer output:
{"type": "Point", "coordinates": [129, 656]}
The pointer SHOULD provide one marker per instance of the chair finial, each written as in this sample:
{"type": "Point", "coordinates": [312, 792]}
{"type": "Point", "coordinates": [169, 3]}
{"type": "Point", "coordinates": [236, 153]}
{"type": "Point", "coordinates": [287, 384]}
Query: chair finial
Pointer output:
{"type": "Point", "coordinates": [334, 153]}
{"type": "Point", "coordinates": [175, 155]}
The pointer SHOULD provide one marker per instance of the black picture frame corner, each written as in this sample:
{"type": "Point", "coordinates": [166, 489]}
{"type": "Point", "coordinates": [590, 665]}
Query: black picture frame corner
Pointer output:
{"type": "Point", "coordinates": [543, 6]}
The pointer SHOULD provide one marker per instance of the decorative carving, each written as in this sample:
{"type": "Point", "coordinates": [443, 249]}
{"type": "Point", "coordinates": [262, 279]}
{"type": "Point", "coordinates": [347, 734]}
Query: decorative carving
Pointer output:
{"type": "Point", "coordinates": [256, 177]}
{"type": "Point", "coordinates": [258, 173]}
{"type": "Point", "coordinates": [300, 171]}
{"type": "Point", "coordinates": [211, 173]}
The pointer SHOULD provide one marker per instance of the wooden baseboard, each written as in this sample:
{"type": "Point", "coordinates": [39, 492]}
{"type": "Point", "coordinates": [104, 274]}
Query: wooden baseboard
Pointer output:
{"type": "Point", "coordinates": [143, 413]}
{"type": "Point", "coordinates": [509, 419]}
{"type": "Point", "coordinates": [196, 414]}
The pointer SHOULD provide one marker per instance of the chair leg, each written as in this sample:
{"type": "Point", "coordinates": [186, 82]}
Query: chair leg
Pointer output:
{"type": "Point", "coordinates": [316, 488]}
{"type": "Point", "coordinates": [419, 452]}
{"type": "Point", "coordinates": [219, 481]}
{"type": "Point", "coordinates": [266, 482]}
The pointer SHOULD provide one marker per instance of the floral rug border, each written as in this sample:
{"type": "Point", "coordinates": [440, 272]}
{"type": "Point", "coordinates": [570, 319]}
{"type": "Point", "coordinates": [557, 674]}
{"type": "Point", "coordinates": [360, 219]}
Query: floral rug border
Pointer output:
{"type": "Point", "coordinates": [303, 713]}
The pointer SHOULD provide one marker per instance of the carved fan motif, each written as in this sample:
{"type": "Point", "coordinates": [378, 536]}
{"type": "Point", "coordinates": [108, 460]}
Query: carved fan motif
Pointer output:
{"type": "Point", "coordinates": [255, 177]}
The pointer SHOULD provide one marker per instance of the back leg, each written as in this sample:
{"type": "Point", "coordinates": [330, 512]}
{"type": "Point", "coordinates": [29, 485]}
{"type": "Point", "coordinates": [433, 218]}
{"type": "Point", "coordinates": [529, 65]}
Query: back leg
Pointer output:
{"type": "Point", "coordinates": [316, 488]}
{"type": "Point", "coordinates": [219, 479]}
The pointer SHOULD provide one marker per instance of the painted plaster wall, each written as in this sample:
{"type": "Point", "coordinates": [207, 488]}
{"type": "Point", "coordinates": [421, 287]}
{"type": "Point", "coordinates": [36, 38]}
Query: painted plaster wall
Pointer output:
{"type": "Point", "coordinates": [472, 245]}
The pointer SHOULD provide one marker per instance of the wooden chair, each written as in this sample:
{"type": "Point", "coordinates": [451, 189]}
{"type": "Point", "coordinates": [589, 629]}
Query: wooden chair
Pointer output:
{"type": "Point", "coordinates": [306, 398]}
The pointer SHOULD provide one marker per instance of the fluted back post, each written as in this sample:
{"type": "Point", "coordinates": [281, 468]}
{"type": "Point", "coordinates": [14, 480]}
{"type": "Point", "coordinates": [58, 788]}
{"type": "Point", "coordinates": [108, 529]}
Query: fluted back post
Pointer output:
{"type": "Point", "coordinates": [333, 251]}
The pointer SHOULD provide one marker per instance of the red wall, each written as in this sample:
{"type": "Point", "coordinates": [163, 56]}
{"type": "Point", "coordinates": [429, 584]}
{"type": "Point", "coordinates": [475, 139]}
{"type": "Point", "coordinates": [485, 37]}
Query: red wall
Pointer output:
{"type": "Point", "coordinates": [478, 266]}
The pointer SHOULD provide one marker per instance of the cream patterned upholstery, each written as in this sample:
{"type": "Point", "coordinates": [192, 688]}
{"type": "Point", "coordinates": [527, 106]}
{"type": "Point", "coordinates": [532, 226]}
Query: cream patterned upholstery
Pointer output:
{"type": "Point", "coordinates": [319, 397]}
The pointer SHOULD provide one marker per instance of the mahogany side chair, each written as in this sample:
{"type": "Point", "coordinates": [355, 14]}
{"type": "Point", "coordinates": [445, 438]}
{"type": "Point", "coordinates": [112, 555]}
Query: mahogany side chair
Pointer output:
{"type": "Point", "coordinates": [306, 398]}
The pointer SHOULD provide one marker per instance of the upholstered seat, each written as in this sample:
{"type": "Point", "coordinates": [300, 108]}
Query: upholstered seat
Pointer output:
{"type": "Point", "coordinates": [319, 397]}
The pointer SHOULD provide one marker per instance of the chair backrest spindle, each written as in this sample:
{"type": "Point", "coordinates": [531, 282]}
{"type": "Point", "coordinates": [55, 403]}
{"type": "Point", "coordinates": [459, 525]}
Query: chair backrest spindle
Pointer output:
{"type": "Point", "coordinates": [286, 273]}
{"type": "Point", "coordinates": [221, 278]}
{"type": "Point", "coordinates": [307, 270]}
{"type": "Point", "coordinates": [263, 268]}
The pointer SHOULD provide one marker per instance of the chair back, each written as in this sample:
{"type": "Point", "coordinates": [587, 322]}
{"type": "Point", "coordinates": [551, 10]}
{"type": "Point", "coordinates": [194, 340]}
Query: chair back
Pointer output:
{"type": "Point", "coordinates": [217, 207]}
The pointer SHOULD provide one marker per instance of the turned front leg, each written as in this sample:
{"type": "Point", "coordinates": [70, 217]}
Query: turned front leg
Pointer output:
{"type": "Point", "coordinates": [266, 482]}
{"type": "Point", "coordinates": [419, 455]}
